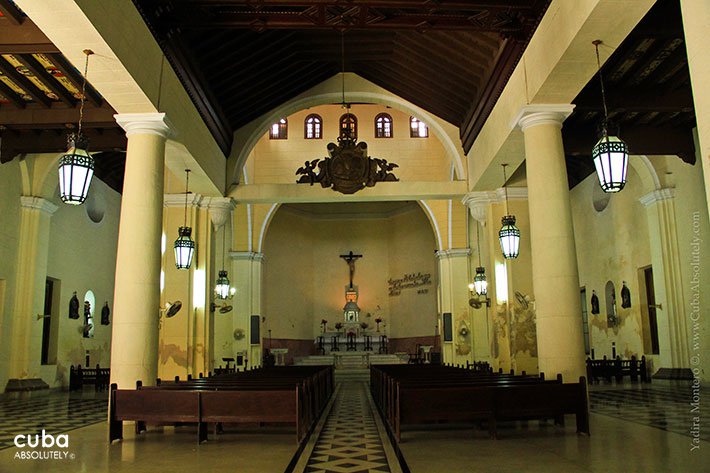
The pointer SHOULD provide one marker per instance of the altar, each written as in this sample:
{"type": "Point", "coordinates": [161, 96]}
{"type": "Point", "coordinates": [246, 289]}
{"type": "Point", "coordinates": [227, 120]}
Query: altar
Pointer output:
{"type": "Point", "coordinates": [361, 340]}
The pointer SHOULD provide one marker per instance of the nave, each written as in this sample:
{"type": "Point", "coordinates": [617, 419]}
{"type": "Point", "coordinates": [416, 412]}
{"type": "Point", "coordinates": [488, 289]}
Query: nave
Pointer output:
{"type": "Point", "coordinates": [350, 437]}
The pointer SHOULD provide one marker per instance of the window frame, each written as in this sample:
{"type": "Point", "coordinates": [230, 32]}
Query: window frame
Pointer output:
{"type": "Point", "coordinates": [342, 120]}
{"type": "Point", "coordinates": [283, 130]}
{"type": "Point", "coordinates": [412, 120]}
{"type": "Point", "coordinates": [317, 134]}
{"type": "Point", "coordinates": [384, 117]}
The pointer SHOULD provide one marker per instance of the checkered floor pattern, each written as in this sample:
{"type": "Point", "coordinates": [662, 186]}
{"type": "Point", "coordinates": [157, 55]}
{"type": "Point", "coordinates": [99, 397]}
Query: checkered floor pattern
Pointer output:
{"type": "Point", "coordinates": [664, 407]}
{"type": "Point", "coordinates": [54, 412]}
{"type": "Point", "coordinates": [349, 441]}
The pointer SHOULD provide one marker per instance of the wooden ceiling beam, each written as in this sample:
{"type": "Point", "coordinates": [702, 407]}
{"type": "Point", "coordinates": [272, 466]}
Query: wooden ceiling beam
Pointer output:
{"type": "Point", "coordinates": [66, 68]}
{"type": "Point", "coordinates": [36, 116]}
{"type": "Point", "coordinates": [638, 99]}
{"type": "Point", "coordinates": [12, 96]}
{"type": "Point", "coordinates": [11, 12]}
{"type": "Point", "coordinates": [24, 83]}
{"type": "Point", "coordinates": [24, 38]}
{"type": "Point", "coordinates": [424, 5]}
{"type": "Point", "coordinates": [47, 141]}
{"type": "Point", "coordinates": [648, 140]}
{"type": "Point", "coordinates": [412, 55]}
{"type": "Point", "coordinates": [47, 79]}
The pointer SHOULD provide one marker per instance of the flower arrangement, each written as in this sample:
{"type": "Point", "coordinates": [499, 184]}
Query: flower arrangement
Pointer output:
{"type": "Point", "coordinates": [338, 326]}
{"type": "Point", "coordinates": [378, 320]}
{"type": "Point", "coordinates": [364, 325]}
{"type": "Point", "coordinates": [323, 323]}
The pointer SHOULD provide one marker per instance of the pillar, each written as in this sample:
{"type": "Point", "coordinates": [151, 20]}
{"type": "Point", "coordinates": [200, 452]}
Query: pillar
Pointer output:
{"type": "Point", "coordinates": [667, 278]}
{"type": "Point", "coordinates": [247, 268]}
{"type": "Point", "coordinates": [453, 299]}
{"type": "Point", "coordinates": [696, 24]}
{"type": "Point", "coordinates": [32, 252]}
{"type": "Point", "coordinates": [134, 345]}
{"type": "Point", "coordinates": [554, 259]}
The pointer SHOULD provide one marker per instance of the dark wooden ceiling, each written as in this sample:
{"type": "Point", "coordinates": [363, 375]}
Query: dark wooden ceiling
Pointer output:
{"type": "Point", "coordinates": [238, 60]}
{"type": "Point", "coordinates": [40, 93]}
{"type": "Point", "coordinates": [648, 92]}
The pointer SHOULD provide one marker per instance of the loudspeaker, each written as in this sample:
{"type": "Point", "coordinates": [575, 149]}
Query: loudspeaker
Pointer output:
{"type": "Point", "coordinates": [255, 337]}
{"type": "Point", "coordinates": [448, 327]}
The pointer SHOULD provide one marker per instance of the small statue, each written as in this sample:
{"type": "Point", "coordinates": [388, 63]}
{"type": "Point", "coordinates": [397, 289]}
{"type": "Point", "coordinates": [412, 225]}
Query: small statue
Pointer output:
{"type": "Point", "coordinates": [88, 320]}
{"type": "Point", "coordinates": [595, 303]}
{"type": "Point", "coordinates": [105, 312]}
{"type": "Point", "coordinates": [625, 296]}
{"type": "Point", "coordinates": [74, 307]}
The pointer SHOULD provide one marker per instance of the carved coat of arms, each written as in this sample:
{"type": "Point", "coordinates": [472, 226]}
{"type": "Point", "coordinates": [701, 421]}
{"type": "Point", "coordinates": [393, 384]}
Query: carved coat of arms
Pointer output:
{"type": "Point", "coordinates": [348, 169]}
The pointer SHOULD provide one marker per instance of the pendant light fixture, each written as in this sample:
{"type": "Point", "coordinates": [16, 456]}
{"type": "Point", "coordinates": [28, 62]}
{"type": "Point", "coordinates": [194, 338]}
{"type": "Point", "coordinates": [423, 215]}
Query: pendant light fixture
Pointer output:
{"type": "Point", "coordinates": [611, 155]}
{"type": "Point", "coordinates": [480, 283]}
{"type": "Point", "coordinates": [509, 234]}
{"type": "Point", "coordinates": [222, 289]}
{"type": "Point", "coordinates": [184, 245]}
{"type": "Point", "coordinates": [76, 167]}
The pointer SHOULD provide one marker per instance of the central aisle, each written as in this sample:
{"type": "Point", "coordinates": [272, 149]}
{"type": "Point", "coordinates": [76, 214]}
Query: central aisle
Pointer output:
{"type": "Point", "coordinates": [350, 440]}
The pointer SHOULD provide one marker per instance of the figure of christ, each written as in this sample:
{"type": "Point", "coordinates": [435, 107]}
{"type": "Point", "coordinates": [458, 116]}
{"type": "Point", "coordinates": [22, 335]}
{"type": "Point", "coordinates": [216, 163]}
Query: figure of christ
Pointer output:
{"type": "Point", "coordinates": [350, 258]}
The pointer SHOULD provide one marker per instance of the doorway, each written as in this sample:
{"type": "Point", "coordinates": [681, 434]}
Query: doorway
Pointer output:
{"type": "Point", "coordinates": [651, 339]}
{"type": "Point", "coordinates": [50, 319]}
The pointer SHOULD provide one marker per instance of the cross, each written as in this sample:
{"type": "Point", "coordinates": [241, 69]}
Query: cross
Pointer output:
{"type": "Point", "coordinates": [351, 258]}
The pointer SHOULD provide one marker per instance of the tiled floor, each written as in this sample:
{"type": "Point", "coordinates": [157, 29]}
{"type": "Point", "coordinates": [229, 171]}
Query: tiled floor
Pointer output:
{"type": "Point", "coordinates": [55, 412]}
{"type": "Point", "coordinates": [350, 441]}
{"type": "Point", "coordinates": [663, 405]}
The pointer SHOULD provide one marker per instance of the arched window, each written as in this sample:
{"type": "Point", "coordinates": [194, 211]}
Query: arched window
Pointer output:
{"type": "Point", "coordinates": [348, 126]}
{"type": "Point", "coordinates": [417, 128]}
{"type": "Point", "coordinates": [313, 127]}
{"type": "Point", "coordinates": [279, 130]}
{"type": "Point", "coordinates": [383, 126]}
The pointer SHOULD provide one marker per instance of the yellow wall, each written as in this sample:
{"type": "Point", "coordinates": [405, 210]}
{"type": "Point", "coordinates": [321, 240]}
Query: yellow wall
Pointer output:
{"type": "Point", "coordinates": [10, 191]}
{"type": "Point", "coordinates": [305, 279]}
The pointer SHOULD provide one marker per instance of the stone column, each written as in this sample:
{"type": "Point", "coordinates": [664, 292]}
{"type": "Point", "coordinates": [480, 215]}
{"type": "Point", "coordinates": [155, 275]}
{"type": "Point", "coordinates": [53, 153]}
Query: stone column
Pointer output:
{"type": "Point", "coordinates": [32, 252]}
{"type": "Point", "coordinates": [667, 278]}
{"type": "Point", "coordinates": [554, 259]}
{"type": "Point", "coordinates": [696, 23]}
{"type": "Point", "coordinates": [247, 268]}
{"type": "Point", "coordinates": [453, 297]}
{"type": "Point", "coordinates": [134, 344]}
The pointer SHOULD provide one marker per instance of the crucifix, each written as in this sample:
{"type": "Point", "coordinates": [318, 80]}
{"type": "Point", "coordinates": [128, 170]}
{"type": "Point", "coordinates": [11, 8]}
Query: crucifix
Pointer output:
{"type": "Point", "coordinates": [351, 258]}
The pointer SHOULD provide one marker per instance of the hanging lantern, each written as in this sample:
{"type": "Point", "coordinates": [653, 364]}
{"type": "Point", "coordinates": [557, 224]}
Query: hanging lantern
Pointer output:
{"type": "Point", "coordinates": [184, 245]}
{"type": "Point", "coordinates": [509, 238]}
{"type": "Point", "coordinates": [222, 286]}
{"type": "Point", "coordinates": [76, 168]}
{"type": "Point", "coordinates": [480, 284]}
{"type": "Point", "coordinates": [611, 160]}
{"type": "Point", "coordinates": [184, 248]}
{"type": "Point", "coordinates": [610, 154]}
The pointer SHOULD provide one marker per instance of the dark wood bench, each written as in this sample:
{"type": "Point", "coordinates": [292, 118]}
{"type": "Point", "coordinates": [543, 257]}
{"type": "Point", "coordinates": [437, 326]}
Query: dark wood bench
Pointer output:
{"type": "Point", "coordinates": [281, 395]}
{"type": "Point", "coordinates": [99, 377]}
{"type": "Point", "coordinates": [617, 369]}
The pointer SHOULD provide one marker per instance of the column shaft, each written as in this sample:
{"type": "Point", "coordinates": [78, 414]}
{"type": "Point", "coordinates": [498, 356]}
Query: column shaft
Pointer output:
{"type": "Point", "coordinates": [554, 260]}
{"type": "Point", "coordinates": [134, 347]}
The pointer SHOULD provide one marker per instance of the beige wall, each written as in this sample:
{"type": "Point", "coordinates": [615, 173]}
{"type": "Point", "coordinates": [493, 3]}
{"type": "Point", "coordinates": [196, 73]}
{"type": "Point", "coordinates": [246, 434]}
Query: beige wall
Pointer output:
{"type": "Point", "coordinates": [10, 191]}
{"type": "Point", "coordinates": [419, 159]}
{"type": "Point", "coordinates": [81, 256]}
{"type": "Point", "coordinates": [612, 245]}
{"type": "Point", "coordinates": [305, 279]}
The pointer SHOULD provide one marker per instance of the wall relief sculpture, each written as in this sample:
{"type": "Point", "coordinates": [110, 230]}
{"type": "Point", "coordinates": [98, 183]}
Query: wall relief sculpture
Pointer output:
{"type": "Point", "coordinates": [348, 169]}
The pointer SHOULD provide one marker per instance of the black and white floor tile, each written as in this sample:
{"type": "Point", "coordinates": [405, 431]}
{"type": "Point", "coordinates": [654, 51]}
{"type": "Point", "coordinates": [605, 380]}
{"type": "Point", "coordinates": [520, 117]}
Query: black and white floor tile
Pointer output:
{"type": "Point", "coordinates": [349, 441]}
{"type": "Point", "coordinates": [666, 407]}
{"type": "Point", "coordinates": [55, 412]}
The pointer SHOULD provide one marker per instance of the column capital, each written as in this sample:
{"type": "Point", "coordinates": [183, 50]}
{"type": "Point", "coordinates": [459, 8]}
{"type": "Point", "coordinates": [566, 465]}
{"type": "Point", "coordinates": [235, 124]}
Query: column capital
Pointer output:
{"type": "Point", "coordinates": [178, 200]}
{"type": "Point", "coordinates": [542, 114]}
{"type": "Point", "coordinates": [220, 208]}
{"type": "Point", "coordinates": [478, 202]}
{"type": "Point", "coordinates": [246, 256]}
{"type": "Point", "coordinates": [658, 195]}
{"type": "Point", "coordinates": [145, 124]}
{"type": "Point", "coordinates": [453, 253]}
{"type": "Point", "coordinates": [38, 203]}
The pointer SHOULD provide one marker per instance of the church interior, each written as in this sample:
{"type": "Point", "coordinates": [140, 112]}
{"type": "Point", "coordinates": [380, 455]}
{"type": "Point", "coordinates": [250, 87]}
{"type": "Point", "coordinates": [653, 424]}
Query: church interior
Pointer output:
{"type": "Point", "coordinates": [354, 235]}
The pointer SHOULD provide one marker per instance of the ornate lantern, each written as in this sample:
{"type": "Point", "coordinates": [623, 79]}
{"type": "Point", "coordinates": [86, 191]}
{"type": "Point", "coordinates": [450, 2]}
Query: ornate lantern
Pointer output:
{"type": "Point", "coordinates": [184, 245]}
